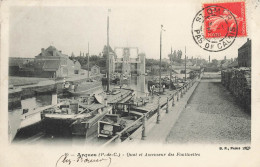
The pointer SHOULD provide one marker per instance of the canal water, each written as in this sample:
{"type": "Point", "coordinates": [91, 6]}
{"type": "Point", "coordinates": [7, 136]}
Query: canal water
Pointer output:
{"type": "Point", "coordinates": [137, 83]}
{"type": "Point", "coordinates": [14, 116]}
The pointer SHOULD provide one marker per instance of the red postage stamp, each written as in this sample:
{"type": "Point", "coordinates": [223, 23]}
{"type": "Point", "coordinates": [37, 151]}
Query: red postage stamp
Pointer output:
{"type": "Point", "coordinates": [222, 18]}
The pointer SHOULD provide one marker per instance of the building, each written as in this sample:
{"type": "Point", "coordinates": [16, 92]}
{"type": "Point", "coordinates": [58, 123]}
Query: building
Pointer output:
{"type": "Point", "coordinates": [21, 66]}
{"type": "Point", "coordinates": [166, 60]}
{"type": "Point", "coordinates": [51, 63]}
{"type": "Point", "coordinates": [189, 63]}
{"type": "Point", "coordinates": [112, 57]}
{"type": "Point", "coordinates": [95, 70]}
{"type": "Point", "coordinates": [244, 54]}
{"type": "Point", "coordinates": [234, 64]}
{"type": "Point", "coordinates": [225, 64]}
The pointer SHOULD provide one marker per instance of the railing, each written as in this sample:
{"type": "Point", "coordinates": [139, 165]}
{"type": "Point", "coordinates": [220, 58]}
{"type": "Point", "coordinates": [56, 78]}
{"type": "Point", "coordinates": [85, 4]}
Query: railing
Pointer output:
{"type": "Point", "coordinates": [182, 90]}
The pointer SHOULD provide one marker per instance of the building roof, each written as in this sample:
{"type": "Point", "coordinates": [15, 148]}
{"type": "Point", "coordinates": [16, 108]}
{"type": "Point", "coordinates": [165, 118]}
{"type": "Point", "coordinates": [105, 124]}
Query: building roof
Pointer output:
{"type": "Point", "coordinates": [248, 43]}
{"type": "Point", "coordinates": [226, 63]}
{"type": "Point", "coordinates": [51, 51]}
{"type": "Point", "coordinates": [233, 64]}
{"type": "Point", "coordinates": [51, 65]}
{"type": "Point", "coordinates": [166, 60]}
{"type": "Point", "coordinates": [187, 67]}
{"type": "Point", "coordinates": [110, 49]}
{"type": "Point", "coordinates": [174, 63]}
{"type": "Point", "coordinates": [95, 66]}
{"type": "Point", "coordinates": [189, 63]}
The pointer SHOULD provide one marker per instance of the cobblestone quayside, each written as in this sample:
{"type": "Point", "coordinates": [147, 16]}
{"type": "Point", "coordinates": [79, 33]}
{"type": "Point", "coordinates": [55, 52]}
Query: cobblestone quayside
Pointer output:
{"type": "Point", "coordinates": [212, 115]}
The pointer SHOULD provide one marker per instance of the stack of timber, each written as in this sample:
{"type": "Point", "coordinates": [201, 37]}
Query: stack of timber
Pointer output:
{"type": "Point", "coordinates": [238, 81]}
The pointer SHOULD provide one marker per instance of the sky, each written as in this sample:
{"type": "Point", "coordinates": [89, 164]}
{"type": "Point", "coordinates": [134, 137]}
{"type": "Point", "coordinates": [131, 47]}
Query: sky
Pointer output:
{"type": "Point", "coordinates": [71, 28]}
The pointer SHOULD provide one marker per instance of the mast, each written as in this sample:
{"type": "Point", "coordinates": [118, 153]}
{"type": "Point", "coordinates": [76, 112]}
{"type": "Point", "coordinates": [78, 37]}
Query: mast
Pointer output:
{"type": "Point", "coordinates": [185, 63]}
{"type": "Point", "coordinates": [88, 59]}
{"type": "Point", "coordinates": [160, 58]}
{"type": "Point", "coordinates": [108, 56]}
{"type": "Point", "coordinates": [171, 70]}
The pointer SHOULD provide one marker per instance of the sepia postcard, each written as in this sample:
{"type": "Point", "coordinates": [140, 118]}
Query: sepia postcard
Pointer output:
{"type": "Point", "coordinates": [129, 83]}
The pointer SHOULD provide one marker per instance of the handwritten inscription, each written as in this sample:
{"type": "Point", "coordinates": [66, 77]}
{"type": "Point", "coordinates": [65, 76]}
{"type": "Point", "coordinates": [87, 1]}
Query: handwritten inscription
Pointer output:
{"type": "Point", "coordinates": [85, 160]}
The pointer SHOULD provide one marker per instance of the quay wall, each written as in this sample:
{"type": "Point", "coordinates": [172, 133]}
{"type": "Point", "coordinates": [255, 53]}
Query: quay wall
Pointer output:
{"type": "Point", "coordinates": [44, 87]}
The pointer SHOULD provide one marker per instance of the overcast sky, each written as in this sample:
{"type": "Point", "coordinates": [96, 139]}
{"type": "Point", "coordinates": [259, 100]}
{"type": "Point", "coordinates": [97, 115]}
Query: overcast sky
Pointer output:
{"type": "Point", "coordinates": [71, 28]}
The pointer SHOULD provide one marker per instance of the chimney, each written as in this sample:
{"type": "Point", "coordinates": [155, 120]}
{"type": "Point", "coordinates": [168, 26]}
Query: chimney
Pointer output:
{"type": "Point", "coordinates": [54, 53]}
{"type": "Point", "coordinates": [42, 51]}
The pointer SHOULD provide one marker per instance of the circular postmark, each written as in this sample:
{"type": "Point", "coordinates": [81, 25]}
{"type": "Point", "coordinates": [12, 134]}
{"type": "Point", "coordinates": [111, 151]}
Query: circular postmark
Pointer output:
{"type": "Point", "coordinates": [214, 28]}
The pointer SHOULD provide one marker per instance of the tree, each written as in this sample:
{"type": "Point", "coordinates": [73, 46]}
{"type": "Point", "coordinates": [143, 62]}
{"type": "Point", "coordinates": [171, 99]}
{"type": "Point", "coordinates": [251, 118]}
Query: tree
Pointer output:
{"type": "Point", "coordinates": [176, 56]}
{"type": "Point", "coordinates": [214, 62]}
{"type": "Point", "coordinates": [173, 56]}
{"type": "Point", "coordinates": [179, 53]}
{"type": "Point", "coordinates": [170, 56]}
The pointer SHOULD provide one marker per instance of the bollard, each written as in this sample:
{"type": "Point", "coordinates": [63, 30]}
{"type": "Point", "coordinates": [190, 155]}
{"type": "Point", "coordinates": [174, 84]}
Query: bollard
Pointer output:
{"type": "Point", "coordinates": [118, 139]}
{"type": "Point", "coordinates": [173, 100]}
{"type": "Point", "coordinates": [158, 111]}
{"type": "Point", "coordinates": [105, 99]}
{"type": "Point", "coordinates": [167, 106]}
{"type": "Point", "coordinates": [177, 95]}
{"type": "Point", "coordinates": [144, 126]}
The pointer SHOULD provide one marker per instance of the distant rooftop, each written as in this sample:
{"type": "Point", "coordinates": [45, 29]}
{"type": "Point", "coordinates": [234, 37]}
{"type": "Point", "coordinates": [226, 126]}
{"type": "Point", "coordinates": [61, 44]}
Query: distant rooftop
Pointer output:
{"type": "Point", "coordinates": [51, 51]}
